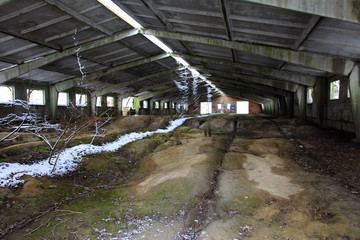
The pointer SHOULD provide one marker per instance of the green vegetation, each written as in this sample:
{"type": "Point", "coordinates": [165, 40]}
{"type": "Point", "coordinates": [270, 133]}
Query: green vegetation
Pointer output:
{"type": "Point", "coordinates": [245, 205]}
{"type": "Point", "coordinates": [41, 149]}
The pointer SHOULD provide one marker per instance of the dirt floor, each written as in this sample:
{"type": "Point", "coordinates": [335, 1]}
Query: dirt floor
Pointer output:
{"type": "Point", "coordinates": [255, 177]}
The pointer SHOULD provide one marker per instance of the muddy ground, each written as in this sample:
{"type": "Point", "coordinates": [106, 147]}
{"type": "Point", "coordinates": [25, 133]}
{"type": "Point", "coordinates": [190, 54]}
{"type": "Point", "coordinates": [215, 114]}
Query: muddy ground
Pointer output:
{"type": "Point", "coordinates": [256, 177]}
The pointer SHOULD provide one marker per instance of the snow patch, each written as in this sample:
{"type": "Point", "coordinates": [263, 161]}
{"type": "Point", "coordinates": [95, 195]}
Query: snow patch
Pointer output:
{"type": "Point", "coordinates": [10, 173]}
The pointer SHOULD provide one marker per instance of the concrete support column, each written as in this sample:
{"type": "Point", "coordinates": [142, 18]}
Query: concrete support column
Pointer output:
{"type": "Point", "coordinates": [289, 101]}
{"type": "Point", "coordinates": [104, 106]}
{"type": "Point", "coordinates": [320, 101]}
{"type": "Point", "coordinates": [93, 104]}
{"type": "Point", "coordinates": [282, 106]}
{"type": "Point", "coordinates": [20, 94]}
{"type": "Point", "coordinates": [137, 105]}
{"type": "Point", "coordinates": [300, 102]}
{"type": "Point", "coordinates": [72, 97]}
{"type": "Point", "coordinates": [162, 108]}
{"type": "Point", "coordinates": [53, 97]}
{"type": "Point", "coordinates": [355, 99]}
{"type": "Point", "coordinates": [151, 106]}
{"type": "Point", "coordinates": [119, 105]}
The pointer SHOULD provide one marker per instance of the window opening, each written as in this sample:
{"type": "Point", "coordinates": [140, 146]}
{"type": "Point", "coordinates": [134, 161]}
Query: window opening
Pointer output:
{"type": "Point", "coordinates": [35, 97]}
{"type": "Point", "coordinates": [309, 95]}
{"type": "Point", "coordinates": [157, 105]}
{"type": "Point", "coordinates": [110, 101]}
{"type": "Point", "coordinates": [63, 99]}
{"type": "Point", "coordinates": [335, 90]}
{"type": "Point", "coordinates": [128, 102]}
{"type": "Point", "coordinates": [242, 107]}
{"type": "Point", "coordinates": [6, 94]}
{"type": "Point", "coordinates": [205, 107]}
{"type": "Point", "coordinates": [98, 101]}
{"type": "Point", "coordinates": [81, 100]}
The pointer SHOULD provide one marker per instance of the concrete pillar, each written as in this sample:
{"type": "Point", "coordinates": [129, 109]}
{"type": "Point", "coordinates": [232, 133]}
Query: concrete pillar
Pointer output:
{"type": "Point", "coordinates": [289, 101]}
{"type": "Point", "coordinates": [150, 106]}
{"type": "Point", "coordinates": [355, 99]}
{"type": "Point", "coordinates": [320, 100]}
{"type": "Point", "coordinates": [53, 98]}
{"type": "Point", "coordinates": [137, 105]}
{"type": "Point", "coordinates": [300, 102]}
{"type": "Point", "coordinates": [93, 104]}
{"type": "Point", "coordinates": [119, 105]}
{"type": "Point", "coordinates": [20, 94]}
{"type": "Point", "coordinates": [282, 106]}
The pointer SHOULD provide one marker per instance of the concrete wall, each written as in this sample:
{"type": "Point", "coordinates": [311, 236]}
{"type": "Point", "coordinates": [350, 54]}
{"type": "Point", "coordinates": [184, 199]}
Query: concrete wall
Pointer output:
{"type": "Point", "coordinates": [254, 108]}
{"type": "Point", "coordinates": [326, 113]}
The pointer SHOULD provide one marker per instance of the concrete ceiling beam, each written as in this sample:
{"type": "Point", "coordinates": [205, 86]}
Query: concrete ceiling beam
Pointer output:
{"type": "Point", "coordinates": [20, 11]}
{"type": "Point", "coordinates": [293, 77]}
{"type": "Point", "coordinates": [79, 17]}
{"type": "Point", "coordinates": [189, 11]}
{"type": "Point", "coordinates": [154, 94]}
{"type": "Point", "coordinates": [225, 82]}
{"type": "Point", "coordinates": [347, 10]}
{"type": "Point", "coordinates": [291, 87]}
{"type": "Point", "coordinates": [310, 28]}
{"type": "Point", "coordinates": [321, 62]}
{"type": "Point", "coordinates": [62, 86]}
{"type": "Point", "coordinates": [20, 69]}
{"type": "Point", "coordinates": [115, 87]}
{"type": "Point", "coordinates": [249, 96]}
{"type": "Point", "coordinates": [30, 39]}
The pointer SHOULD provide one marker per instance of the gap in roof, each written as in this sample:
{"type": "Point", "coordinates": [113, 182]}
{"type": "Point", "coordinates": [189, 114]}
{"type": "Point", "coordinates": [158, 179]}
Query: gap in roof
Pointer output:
{"type": "Point", "coordinates": [109, 4]}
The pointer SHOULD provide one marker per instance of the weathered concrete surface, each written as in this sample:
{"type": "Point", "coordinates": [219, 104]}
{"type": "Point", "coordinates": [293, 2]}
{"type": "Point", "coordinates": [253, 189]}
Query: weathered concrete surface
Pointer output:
{"type": "Point", "coordinates": [348, 10]}
{"type": "Point", "coordinates": [355, 98]}
{"type": "Point", "coordinates": [243, 182]}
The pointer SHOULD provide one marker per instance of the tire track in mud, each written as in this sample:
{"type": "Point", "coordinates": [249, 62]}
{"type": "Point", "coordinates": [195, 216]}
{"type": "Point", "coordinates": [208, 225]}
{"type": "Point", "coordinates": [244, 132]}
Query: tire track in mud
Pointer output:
{"type": "Point", "coordinates": [205, 211]}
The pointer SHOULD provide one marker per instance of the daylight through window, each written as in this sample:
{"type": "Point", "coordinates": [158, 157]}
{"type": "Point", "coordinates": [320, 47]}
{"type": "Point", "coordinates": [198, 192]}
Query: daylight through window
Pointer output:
{"type": "Point", "coordinates": [81, 100]}
{"type": "Point", "coordinates": [309, 95]}
{"type": "Point", "coordinates": [6, 94]}
{"type": "Point", "coordinates": [63, 99]}
{"type": "Point", "coordinates": [110, 101]}
{"type": "Point", "coordinates": [35, 97]}
{"type": "Point", "coordinates": [335, 90]}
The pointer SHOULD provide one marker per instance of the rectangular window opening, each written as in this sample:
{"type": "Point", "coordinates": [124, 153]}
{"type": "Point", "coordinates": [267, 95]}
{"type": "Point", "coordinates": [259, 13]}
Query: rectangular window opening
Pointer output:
{"type": "Point", "coordinates": [110, 101]}
{"type": "Point", "coordinates": [335, 90]}
{"type": "Point", "coordinates": [228, 106]}
{"type": "Point", "coordinates": [145, 104]}
{"type": "Point", "coordinates": [166, 105]}
{"type": "Point", "coordinates": [242, 107]}
{"type": "Point", "coordinates": [81, 100]}
{"type": "Point", "coordinates": [128, 103]}
{"type": "Point", "coordinates": [7, 94]}
{"type": "Point", "coordinates": [63, 99]}
{"type": "Point", "coordinates": [219, 106]}
{"type": "Point", "coordinates": [157, 105]}
{"type": "Point", "coordinates": [98, 101]}
{"type": "Point", "coordinates": [35, 96]}
{"type": "Point", "coordinates": [309, 95]}
{"type": "Point", "coordinates": [205, 107]}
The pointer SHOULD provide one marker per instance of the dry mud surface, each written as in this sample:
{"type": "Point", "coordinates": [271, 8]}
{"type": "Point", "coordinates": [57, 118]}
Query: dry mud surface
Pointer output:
{"type": "Point", "coordinates": [254, 178]}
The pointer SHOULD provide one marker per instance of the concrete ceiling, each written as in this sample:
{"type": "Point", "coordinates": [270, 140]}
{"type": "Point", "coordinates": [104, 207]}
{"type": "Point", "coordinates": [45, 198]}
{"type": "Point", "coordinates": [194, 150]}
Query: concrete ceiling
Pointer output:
{"type": "Point", "coordinates": [254, 49]}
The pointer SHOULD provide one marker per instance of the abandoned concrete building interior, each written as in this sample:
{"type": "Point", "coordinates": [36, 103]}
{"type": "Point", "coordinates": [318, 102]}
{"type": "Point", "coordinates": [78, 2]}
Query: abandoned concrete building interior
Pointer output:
{"type": "Point", "coordinates": [180, 119]}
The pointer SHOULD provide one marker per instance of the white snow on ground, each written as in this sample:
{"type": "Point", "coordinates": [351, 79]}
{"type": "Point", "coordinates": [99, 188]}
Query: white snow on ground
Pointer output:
{"type": "Point", "coordinates": [10, 173]}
